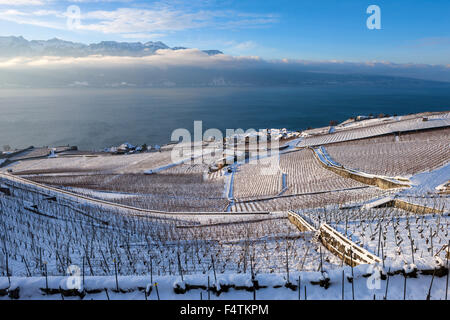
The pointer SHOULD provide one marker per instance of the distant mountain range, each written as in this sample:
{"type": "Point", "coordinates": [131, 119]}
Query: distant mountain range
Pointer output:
{"type": "Point", "coordinates": [18, 46]}
{"type": "Point", "coordinates": [182, 71]}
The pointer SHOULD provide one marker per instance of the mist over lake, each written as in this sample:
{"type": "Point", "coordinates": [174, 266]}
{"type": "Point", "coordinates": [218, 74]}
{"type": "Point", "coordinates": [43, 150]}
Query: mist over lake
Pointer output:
{"type": "Point", "coordinates": [96, 118]}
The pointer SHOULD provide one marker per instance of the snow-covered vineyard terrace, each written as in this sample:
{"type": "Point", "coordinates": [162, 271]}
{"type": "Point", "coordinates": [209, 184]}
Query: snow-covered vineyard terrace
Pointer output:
{"type": "Point", "coordinates": [137, 226]}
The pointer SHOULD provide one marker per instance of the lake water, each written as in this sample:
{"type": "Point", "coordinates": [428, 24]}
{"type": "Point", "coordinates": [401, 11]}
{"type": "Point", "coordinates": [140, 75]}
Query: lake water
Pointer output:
{"type": "Point", "coordinates": [98, 118]}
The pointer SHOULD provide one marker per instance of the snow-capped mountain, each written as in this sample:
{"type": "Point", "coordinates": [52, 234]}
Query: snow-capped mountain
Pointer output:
{"type": "Point", "coordinates": [19, 46]}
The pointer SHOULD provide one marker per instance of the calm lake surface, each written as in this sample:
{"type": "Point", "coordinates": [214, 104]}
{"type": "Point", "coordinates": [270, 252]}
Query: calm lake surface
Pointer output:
{"type": "Point", "coordinates": [98, 118]}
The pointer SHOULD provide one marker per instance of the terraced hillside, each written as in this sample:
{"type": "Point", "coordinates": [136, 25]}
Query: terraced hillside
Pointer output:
{"type": "Point", "coordinates": [393, 155]}
{"type": "Point", "coordinates": [232, 229]}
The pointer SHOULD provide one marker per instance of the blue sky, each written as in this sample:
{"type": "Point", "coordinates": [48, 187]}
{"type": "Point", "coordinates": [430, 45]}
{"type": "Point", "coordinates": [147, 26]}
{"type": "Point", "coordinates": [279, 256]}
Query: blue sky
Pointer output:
{"type": "Point", "coordinates": [411, 31]}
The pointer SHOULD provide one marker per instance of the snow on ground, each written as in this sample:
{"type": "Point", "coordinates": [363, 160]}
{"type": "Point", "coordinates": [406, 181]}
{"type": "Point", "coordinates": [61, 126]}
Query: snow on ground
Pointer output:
{"type": "Point", "coordinates": [394, 155]}
{"type": "Point", "coordinates": [46, 236]}
{"type": "Point", "coordinates": [428, 181]}
{"type": "Point", "coordinates": [377, 202]}
{"type": "Point", "coordinates": [425, 189]}
{"type": "Point", "coordinates": [63, 232]}
{"type": "Point", "coordinates": [327, 160]}
{"type": "Point", "coordinates": [391, 233]}
{"type": "Point", "coordinates": [133, 288]}
{"type": "Point", "coordinates": [436, 121]}
{"type": "Point", "coordinates": [105, 195]}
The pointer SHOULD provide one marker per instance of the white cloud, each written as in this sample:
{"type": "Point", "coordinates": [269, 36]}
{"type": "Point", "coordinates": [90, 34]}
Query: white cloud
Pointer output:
{"type": "Point", "coordinates": [99, 1]}
{"type": "Point", "coordinates": [22, 2]}
{"type": "Point", "coordinates": [79, 84]}
{"type": "Point", "coordinates": [194, 57]}
{"type": "Point", "coordinates": [157, 18]}
{"type": "Point", "coordinates": [43, 13]}
{"type": "Point", "coordinates": [170, 60]}
{"type": "Point", "coordinates": [167, 19]}
{"type": "Point", "coordinates": [31, 18]}
{"type": "Point", "coordinates": [162, 58]}
{"type": "Point", "coordinates": [143, 35]}
{"type": "Point", "coordinates": [12, 13]}
{"type": "Point", "coordinates": [244, 46]}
